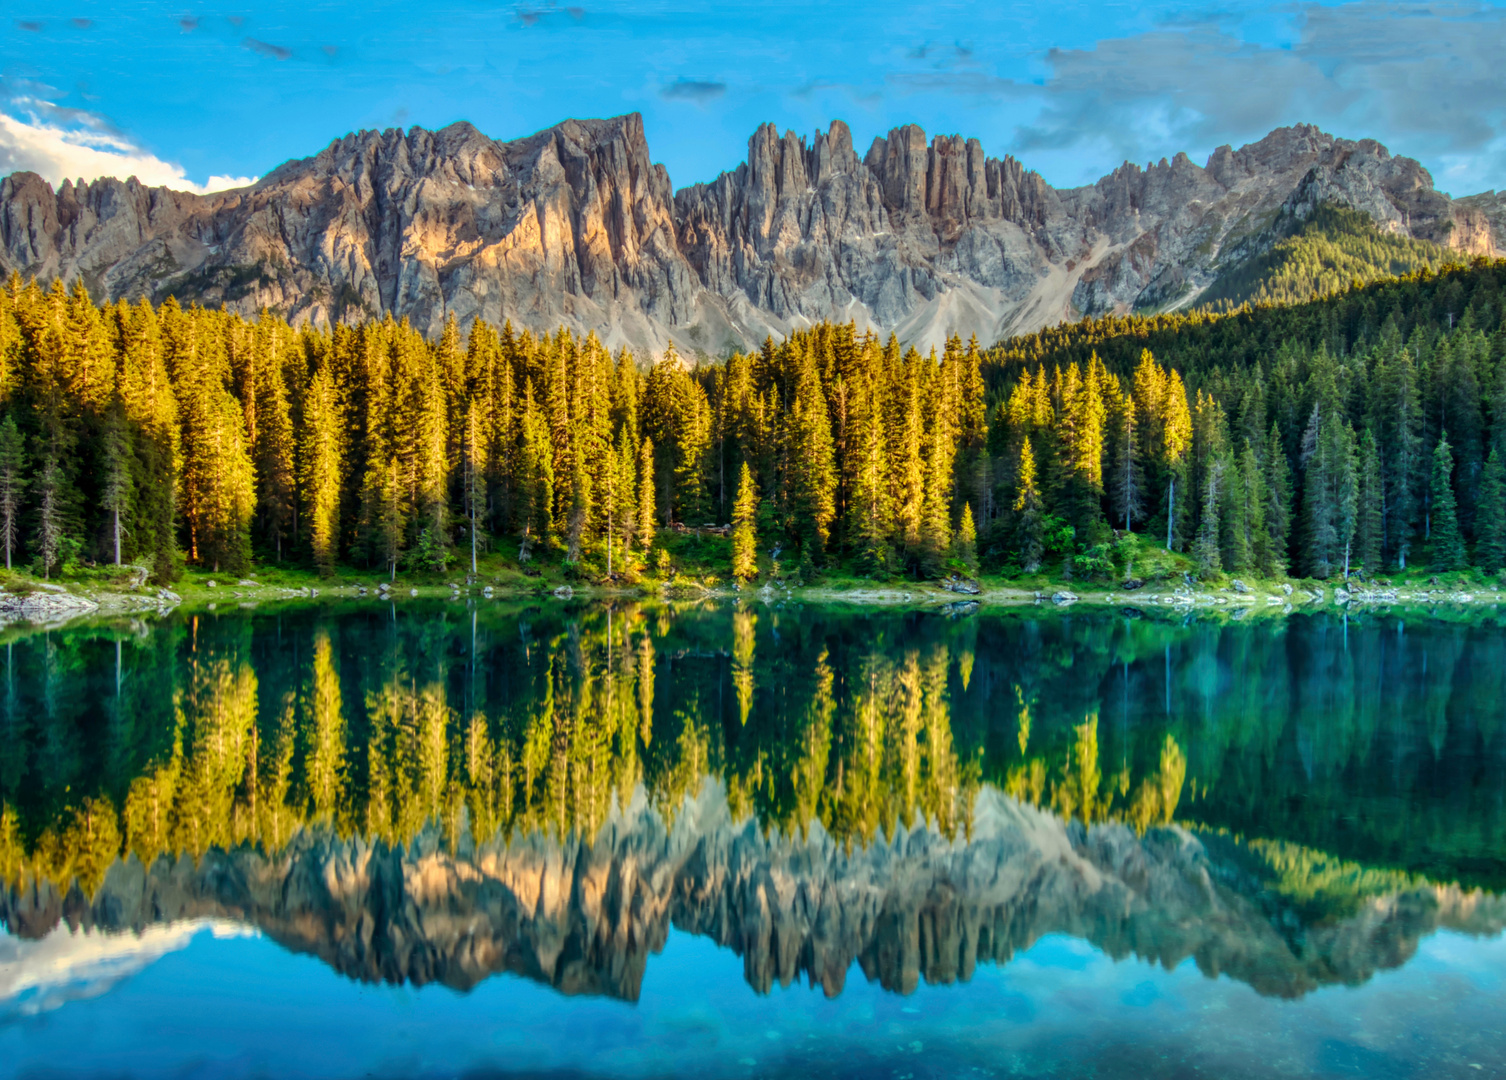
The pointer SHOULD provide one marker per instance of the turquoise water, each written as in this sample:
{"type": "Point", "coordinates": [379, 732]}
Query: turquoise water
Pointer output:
{"type": "Point", "coordinates": [440, 840]}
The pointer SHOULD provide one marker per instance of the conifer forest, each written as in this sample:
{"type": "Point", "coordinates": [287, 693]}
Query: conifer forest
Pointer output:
{"type": "Point", "coordinates": [1364, 431]}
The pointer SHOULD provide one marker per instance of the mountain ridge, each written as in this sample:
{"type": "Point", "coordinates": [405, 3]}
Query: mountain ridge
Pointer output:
{"type": "Point", "coordinates": [584, 914]}
{"type": "Point", "coordinates": [575, 225]}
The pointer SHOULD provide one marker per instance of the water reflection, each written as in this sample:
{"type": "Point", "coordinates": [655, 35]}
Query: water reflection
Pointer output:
{"type": "Point", "coordinates": [442, 793]}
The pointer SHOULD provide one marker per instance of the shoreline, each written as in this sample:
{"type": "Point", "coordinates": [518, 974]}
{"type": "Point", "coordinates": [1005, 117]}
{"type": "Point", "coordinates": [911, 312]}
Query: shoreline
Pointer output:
{"type": "Point", "coordinates": [50, 605]}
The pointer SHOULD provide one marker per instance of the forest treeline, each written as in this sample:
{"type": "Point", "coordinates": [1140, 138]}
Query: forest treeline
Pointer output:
{"type": "Point", "coordinates": [1363, 430]}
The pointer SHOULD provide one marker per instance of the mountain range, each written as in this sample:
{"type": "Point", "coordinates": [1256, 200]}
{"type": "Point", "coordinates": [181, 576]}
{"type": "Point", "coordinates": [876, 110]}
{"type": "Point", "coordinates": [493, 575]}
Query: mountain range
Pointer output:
{"type": "Point", "coordinates": [584, 914]}
{"type": "Point", "coordinates": [576, 225]}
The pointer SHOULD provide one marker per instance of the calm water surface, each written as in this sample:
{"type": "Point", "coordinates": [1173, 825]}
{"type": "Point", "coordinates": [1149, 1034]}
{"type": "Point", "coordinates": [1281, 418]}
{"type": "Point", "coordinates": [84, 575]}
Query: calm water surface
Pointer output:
{"type": "Point", "coordinates": [649, 840]}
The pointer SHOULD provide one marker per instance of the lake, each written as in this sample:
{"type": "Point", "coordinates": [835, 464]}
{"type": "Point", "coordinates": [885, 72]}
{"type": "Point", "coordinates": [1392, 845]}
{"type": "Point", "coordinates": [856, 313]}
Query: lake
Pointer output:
{"type": "Point", "coordinates": [485, 838]}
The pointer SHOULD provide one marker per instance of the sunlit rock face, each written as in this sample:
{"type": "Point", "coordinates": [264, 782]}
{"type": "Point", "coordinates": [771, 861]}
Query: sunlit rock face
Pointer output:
{"type": "Point", "coordinates": [585, 916]}
{"type": "Point", "coordinates": [577, 226]}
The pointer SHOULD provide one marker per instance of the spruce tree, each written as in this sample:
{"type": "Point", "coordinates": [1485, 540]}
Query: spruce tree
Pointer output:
{"type": "Point", "coordinates": [646, 520]}
{"type": "Point", "coordinates": [319, 468]}
{"type": "Point", "coordinates": [812, 470]}
{"type": "Point", "coordinates": [1260, 545]}
{"type": "Point", "coordinates": [1369, 527]}
{"type": "Point", "coordinates": [115, 462]}
{"type": "Point", "coordinates": [967, 539]}
{"type": "Point", "coordinates": [1205, 549]}
{"type": "Point", "coordinates": [1278, 506]}
{"type": "Point", "coordinates": [744, 532]}
{"type": "Point", "coordinates": [1029, 523]}
{"type": "Point", "coordinates": [1126, 480]}
{"type": "Point", "coordinates": [12, 485]}
{"type": "Point", "coordinates": [1490, 521]}
{"type": "Point", "coordinates": [1446, 552]}
{"type": "Point", "coordinates": [49, 536]}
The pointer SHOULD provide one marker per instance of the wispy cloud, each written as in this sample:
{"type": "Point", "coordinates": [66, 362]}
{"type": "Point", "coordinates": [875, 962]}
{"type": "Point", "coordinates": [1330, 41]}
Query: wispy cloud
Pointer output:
{"type": "Point", "coordinates": [266, 48]}
{"type": "Point", "coordinates": [1429, 78]}
{"type": "Point", "coordinates": [60, 143]}
{"type": "Point", "coordinates": [697, 90]}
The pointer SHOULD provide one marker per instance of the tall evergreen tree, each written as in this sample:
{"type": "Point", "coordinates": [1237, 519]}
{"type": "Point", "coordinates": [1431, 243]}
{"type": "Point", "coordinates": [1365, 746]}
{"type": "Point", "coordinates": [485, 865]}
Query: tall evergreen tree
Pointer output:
{"type": "Point", "coordinates": [1029, 524]}
{"type": "Point", "coordinates": [1278, 507]}
{"type": "Point", "coordinates": [1446, 551]}
{"type": "Point", "coordinates": [967, 539]}
{"type": "Point", "coordinates": [1490, 522]}
{"type": "Point", "coordinates": [744, 534]}
{"type": "Point", "coordinates": [115, 490]}
{"type": "Point", "coordinates": [319, 466]}
{"type": "Point", "coordinates": [1206, 548]}
{"type": "Point", "coordinates": [1369, 535]}
{"type": "Point", "coordinates": [812, 472]}
{"type": "Point", "coordinates": [12, 485]}
{"type": "Point", "coordinates": [646, 518]}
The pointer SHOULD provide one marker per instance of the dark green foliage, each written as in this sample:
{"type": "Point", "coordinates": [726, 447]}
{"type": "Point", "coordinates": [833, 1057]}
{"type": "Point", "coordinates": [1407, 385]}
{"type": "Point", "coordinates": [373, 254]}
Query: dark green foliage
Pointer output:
{"type": "Point", "coordinates": [1331, 250]}
{"type": "Point", "coordinates": [1490, 520]}
{"type": "Point", "coordinates": [1446, 551]}
{"type": "Point", "coordinates": [1342, 401]}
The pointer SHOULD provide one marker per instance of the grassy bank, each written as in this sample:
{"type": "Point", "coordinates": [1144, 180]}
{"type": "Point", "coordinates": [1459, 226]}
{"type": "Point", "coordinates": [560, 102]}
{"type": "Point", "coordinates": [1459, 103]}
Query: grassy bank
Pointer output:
{"type": "Point", "coordinates": [690, 564]}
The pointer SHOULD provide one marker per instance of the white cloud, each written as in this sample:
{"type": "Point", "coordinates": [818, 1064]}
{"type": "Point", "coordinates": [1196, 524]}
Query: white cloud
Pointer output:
{"type": "Point", "coordinates": [66, 965]}
{"type": "Point", "coordinates": [86, 147]}
{"type": "Point", "coordinates": [1426, 79]}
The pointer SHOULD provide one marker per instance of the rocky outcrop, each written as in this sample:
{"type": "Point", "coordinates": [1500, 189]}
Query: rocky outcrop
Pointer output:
{"type": "Point", "coordinates": [576, 225]}
{"type": "Point", "coordinates": [584, 916]}
{"type": "Point", "coordinates": [1492, 204]}
{"type": "Point", "coordinates": [47, 606]}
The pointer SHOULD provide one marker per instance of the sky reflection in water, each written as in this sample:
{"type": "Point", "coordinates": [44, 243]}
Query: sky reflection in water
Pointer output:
{"type": "Point", "coordinates": [972, 812]}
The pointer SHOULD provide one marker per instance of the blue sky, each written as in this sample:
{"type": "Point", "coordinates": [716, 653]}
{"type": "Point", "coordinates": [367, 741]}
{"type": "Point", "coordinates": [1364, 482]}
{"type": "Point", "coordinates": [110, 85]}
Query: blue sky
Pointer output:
{"type": "Point", "coordinates": [196, 94]}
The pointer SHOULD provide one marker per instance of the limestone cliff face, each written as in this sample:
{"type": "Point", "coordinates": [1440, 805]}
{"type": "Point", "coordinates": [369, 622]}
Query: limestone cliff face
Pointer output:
{"type": "Point", "coordinates": [584, 916]}
{"type": "Point", "coordinates": [577, 225]}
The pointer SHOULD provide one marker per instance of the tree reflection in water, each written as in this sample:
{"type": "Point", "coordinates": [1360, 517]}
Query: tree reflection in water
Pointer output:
{"type": "Point", "coordinates": [813, 787]}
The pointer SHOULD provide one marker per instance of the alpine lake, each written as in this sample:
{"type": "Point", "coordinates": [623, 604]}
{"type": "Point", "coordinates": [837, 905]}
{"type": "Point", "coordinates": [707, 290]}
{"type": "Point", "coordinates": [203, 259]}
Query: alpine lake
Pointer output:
{"type": "Point", "coordinates": [488, 838]}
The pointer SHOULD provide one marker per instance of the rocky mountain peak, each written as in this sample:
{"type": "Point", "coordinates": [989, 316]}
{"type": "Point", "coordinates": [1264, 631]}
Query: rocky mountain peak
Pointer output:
{"type": "Point", "coordinates": [576, 224]}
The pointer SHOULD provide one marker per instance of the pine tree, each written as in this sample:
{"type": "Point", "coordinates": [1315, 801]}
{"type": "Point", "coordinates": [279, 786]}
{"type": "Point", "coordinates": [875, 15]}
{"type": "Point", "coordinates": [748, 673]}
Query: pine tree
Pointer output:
{"type": "Point", "coordinates": [116, 489]}
{"type": "Point", "coordinates": [273, 443]}
{"type": "Point", "coordinates": [1278, 507]}
{"type": "Point", "coordinates": [1446, 551]}
{"type": "Point", "coordinates": [50, 537]}
{"type": "Point", "coordinates": [1330, 495]}
{"type": "Point", "coordinates": [1490, 521]}
{"type": "Point", "coordinates": [319, 468]}
{"type": "Point", "coordinates": [871, 502]}
{"type": "Point", "coordinates": [967, 539]}
{"type": "Point", "coordinates": [1234, 520]}
{"type": "Point", "coordinates": [536, 482]}
{"type": "Point", "coordinates": [1205, 549]}
{"type": "Point", "coordinates": [12, 485]}
{"type": "Point", "coordinates": [812, 470]}
{"type": "Point", "coordinates": [907, 462]}
{"type": "Point", "coordinates": [473, 476]}
{"type": "Point", "coordinates": [1396, 418]}
{"type": "Point", "coordinates": [744, 535]}
{"type": "Point", "coordinates": [1369, 533]}
{"type": "Point", "coordinates": [1029, 523]}
{"type": "Point", "coordinates": [1127, 474]}
{"type": "Point", "coordinates": [1260, 543]}
{"type": "Point", "coordinates": [646, 518]}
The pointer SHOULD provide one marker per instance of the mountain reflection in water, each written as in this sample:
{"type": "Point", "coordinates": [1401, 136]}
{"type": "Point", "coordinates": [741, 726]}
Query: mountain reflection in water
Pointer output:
{"type": "Point", "coordinates": [438, 794]}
